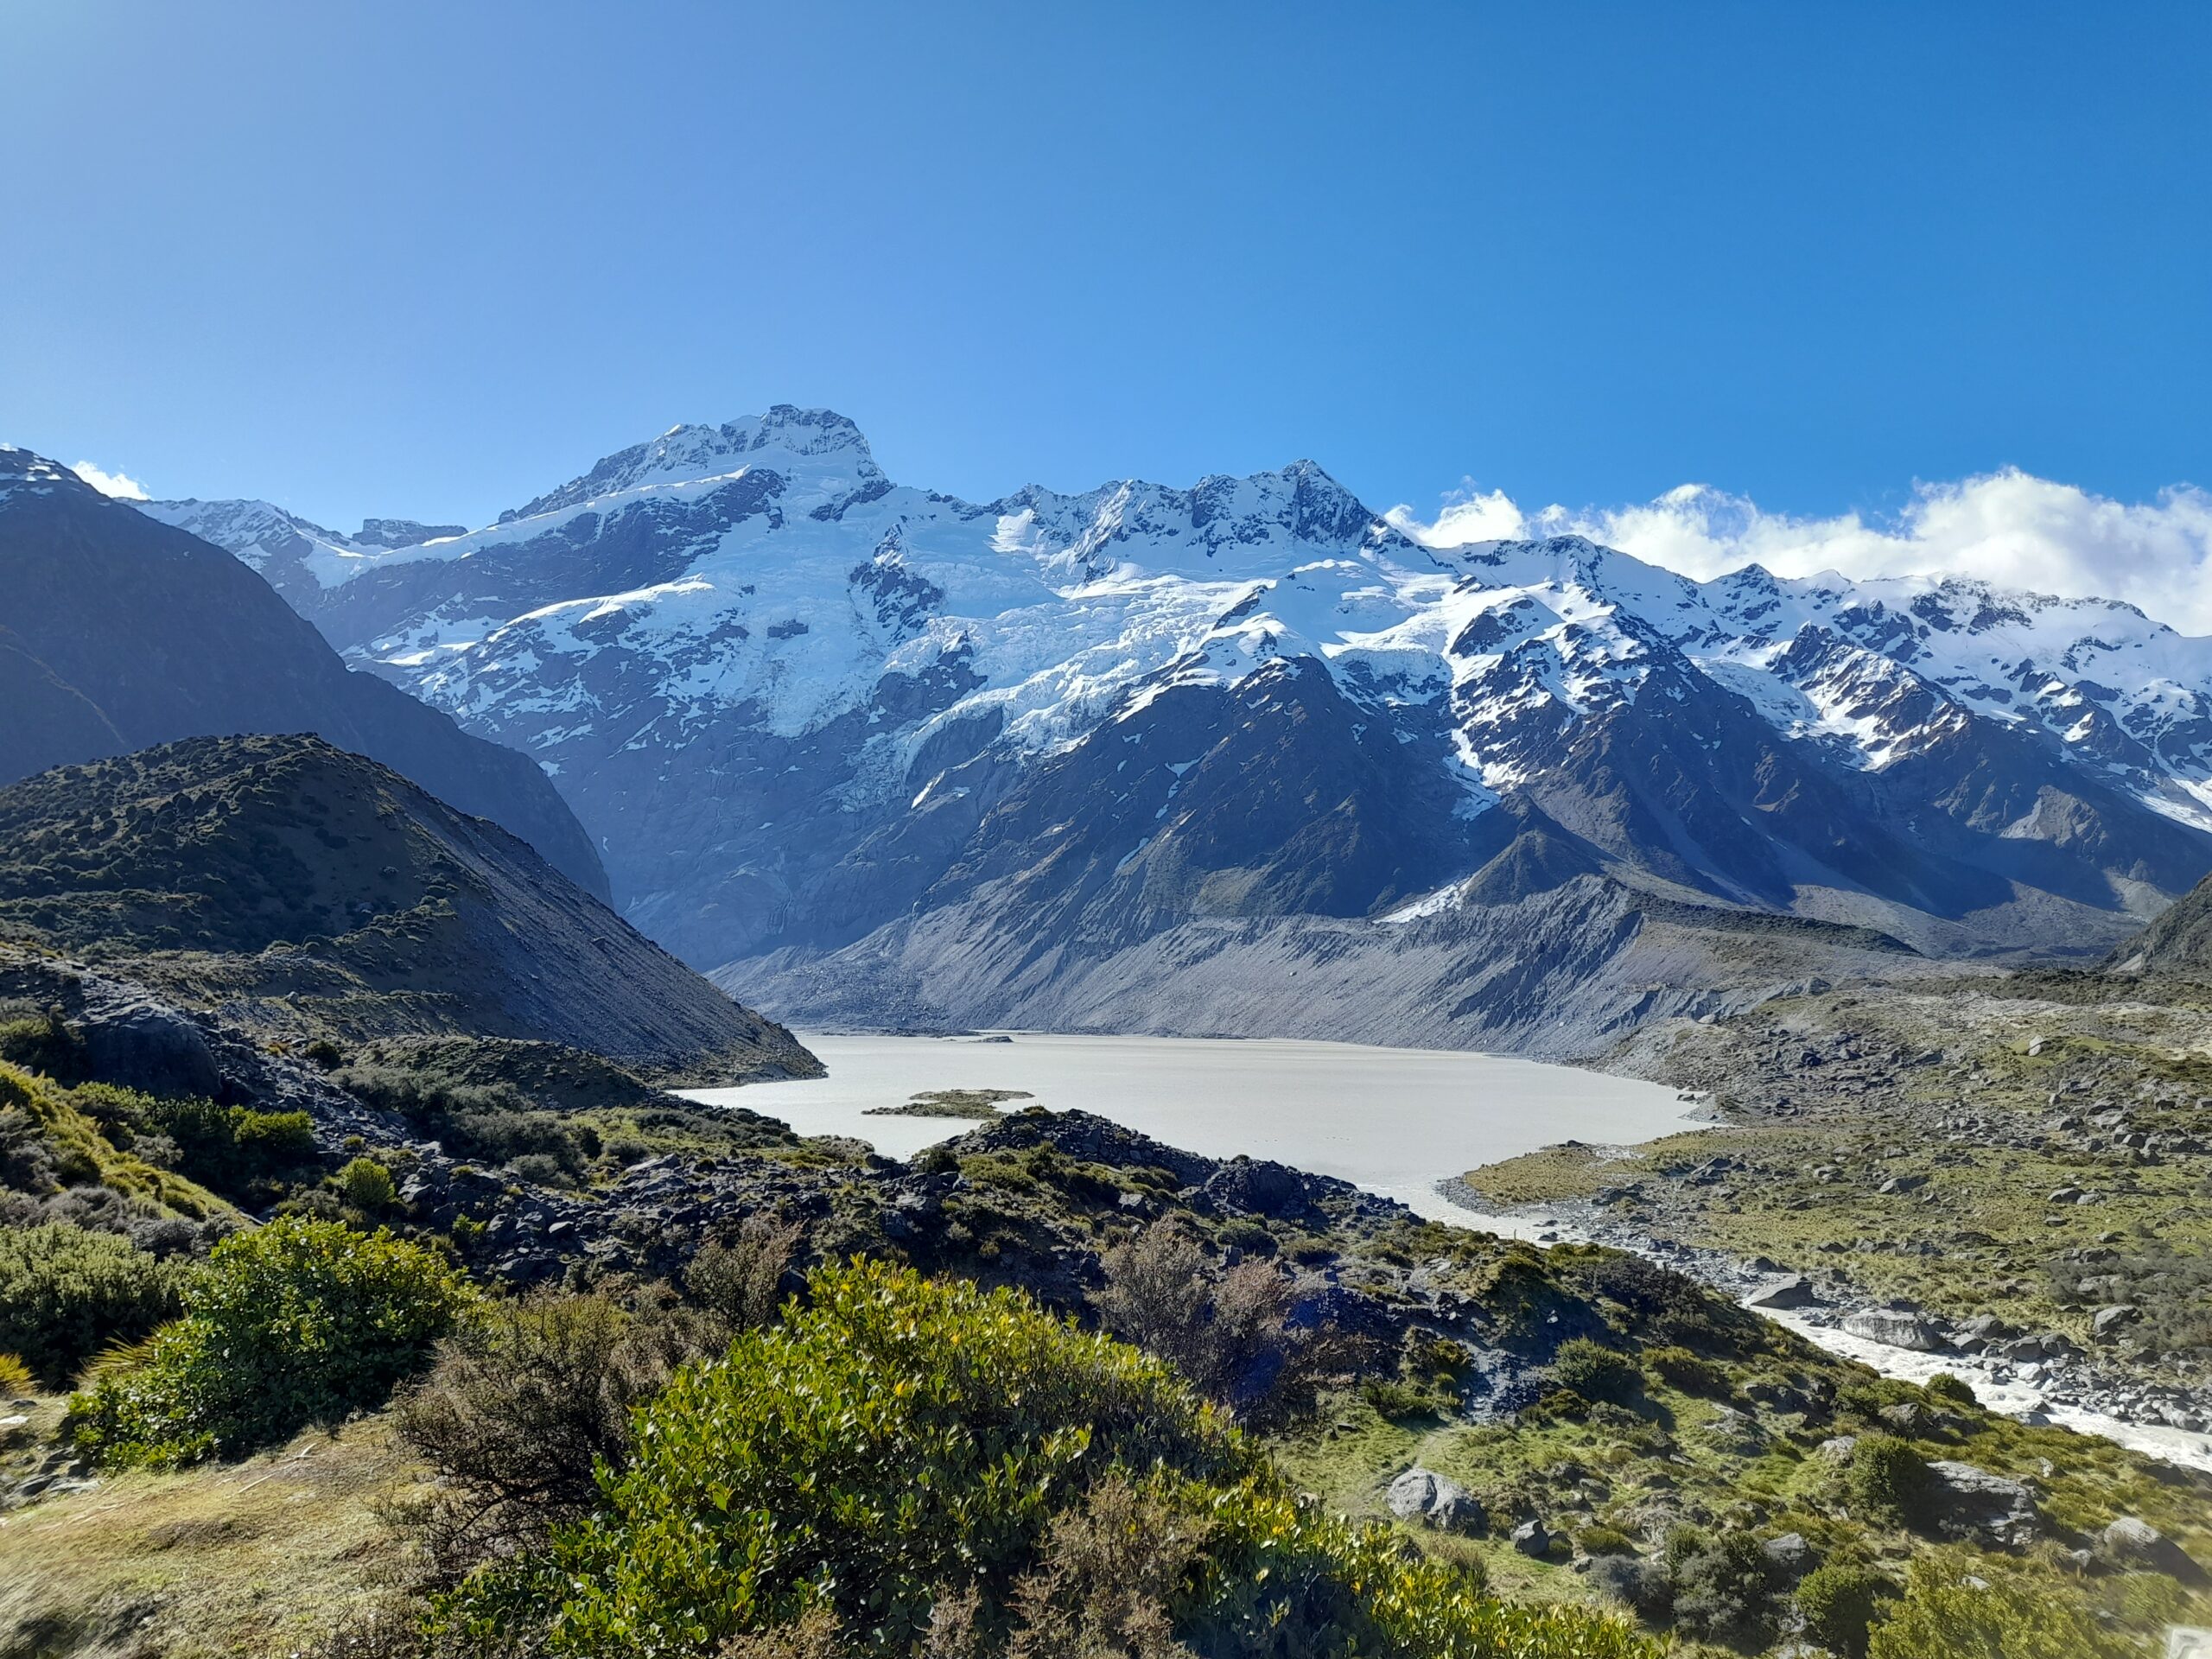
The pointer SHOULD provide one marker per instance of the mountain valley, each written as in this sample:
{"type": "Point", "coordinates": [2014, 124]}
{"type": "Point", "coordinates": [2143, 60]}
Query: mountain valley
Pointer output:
{"type": "Point", "coordinates": [1126, 760]}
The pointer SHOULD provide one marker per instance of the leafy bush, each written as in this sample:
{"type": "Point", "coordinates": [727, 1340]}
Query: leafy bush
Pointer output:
{"type": "Point", "coordinates": [1692, 1373]}
{"type": "Point", "coordinates": [1250, 1236]}
{"type": "Point", "coordinates": [1229, 1333]}
{"type": "Point", "coordinates": [1398, 1401]}
{"type": "Point", "coordinates": [1840, 1603]}
{"type": "Point", "coordinates": [367, 1186]}
{"type": "Point", "coordinates": [1644, 1586]}
{"type": "Point", "coordinates": [493, 1122]}
{"type": "Point", "coordinates": [66, 1293]}
{"type": "Point", "coordinates": [1724, 1590]}
{"type": "Point", "coordinates": [1672, 1307]}
{"type": "Point", "coordinates": [228, 1149]}
{"type": "Point", "coordinates": [527, 1400]}
{"type": "Point", "coordinates": [1954, 1609]}
{"type": "Point", "coordinates": [295, 1322]}
{"type": "Point", "coordinates": [913, 1462]}
{"type": "Point", "coordinates": [1951, 1391]}
{"type": "Point", "coordinates": [739, 1280]}
{"type": "Point", "coordinates": [1596, 1372]}
{"type": "Point", "coordinates": [1888, 1481]}
{"type": "Point", "coordinates": [45, 1043]}
{"type": "Point", "coordinates": [892, 1435]}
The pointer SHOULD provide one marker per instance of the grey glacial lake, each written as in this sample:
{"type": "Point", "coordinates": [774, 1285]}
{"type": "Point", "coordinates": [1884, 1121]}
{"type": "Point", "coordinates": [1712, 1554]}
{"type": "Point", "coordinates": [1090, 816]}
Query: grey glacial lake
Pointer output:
{"type": "Point", "coordinates": [1395, 1120]}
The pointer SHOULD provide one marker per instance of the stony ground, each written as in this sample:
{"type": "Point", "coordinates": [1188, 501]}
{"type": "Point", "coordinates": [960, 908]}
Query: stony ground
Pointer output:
{"type": "Point", "coordinates": [2019, 1170]}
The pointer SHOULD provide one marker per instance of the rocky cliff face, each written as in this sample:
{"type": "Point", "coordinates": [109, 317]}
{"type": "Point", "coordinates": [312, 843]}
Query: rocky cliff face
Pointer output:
{"type": "Point", "coordinates": [862, 746]}
{"type": "Point", "coordinates": [2179, 942]}
{"type": "Point", "coordinates": [117, 633]}
{"type": "Point", "coordinates": [310, 892]}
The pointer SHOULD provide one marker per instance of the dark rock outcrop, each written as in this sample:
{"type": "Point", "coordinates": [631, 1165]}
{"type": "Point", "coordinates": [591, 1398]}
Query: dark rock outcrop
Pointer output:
{"type": "Point", "coordinates": [308, 890]}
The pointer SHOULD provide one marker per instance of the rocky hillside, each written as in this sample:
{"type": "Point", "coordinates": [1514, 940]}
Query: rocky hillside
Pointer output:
{"type": "Point", "coordinates": [314, 890]}
{"type": "Point", "coordinates": [117, 633]}
{"type": "Point", "coordinates": [2179, 942]}
{"type": "Point", "coordinates": [859, 745]}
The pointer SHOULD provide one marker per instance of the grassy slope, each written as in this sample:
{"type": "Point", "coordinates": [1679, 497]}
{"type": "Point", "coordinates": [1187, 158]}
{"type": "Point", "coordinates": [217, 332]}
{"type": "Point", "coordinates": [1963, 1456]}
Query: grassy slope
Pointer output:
{"type": "Point", "coordinates": [1975, 1136]}
{"type": "Point", "coordinates": [249, 1559]}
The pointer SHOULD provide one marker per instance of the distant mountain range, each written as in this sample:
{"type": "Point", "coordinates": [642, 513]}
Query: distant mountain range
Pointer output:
{"type": "Point", "coordinates": [117, 633]}
{"type": "Point", "coordinates": [1245, 758]}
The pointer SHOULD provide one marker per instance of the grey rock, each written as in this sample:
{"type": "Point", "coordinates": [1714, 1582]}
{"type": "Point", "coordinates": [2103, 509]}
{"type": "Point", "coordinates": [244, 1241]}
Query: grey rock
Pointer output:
{"type": "Point", "coordinates": [1896, 1327]}
{"type": "Point", "coordinates": [2108, 1322]}
{"type": "Point", "coordinates": [1973, 1505]}
{"type": "Point", "coordinates": [1531, 1538]}
{"type": "Point", "coordinates": [2135, 1544]}
{"type": "Point", "coordinates": [1423, 1495]}
{"type": "Point", "coordinates": [1791, 1293]}
{"type": "Point", "coordinates": [1791, 1555]}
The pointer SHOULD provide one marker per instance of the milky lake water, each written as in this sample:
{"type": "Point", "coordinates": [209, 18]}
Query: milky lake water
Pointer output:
{"type": "Point", "coordinates": [1395, 1120]}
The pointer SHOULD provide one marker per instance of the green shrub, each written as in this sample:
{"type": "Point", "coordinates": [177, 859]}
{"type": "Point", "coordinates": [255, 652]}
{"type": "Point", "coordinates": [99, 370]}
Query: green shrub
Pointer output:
{"type": "Point", "coordinates": [1951, 1390]}
{"type": "Point", "coordinates": [1596, 1372]}
{"type": "Point", "coordinates": [1840, 1602]}
{"type": "Point", "coordinates": [1692, 1373]}
{"type": "Point", "coordinates": [66, 1293]}
{"type": "Point", "coordinates": [1888, 1481]}
{"type": "Point", "coordinates": [45, 1043]}
{"type": "Point", "coordinates": [367, 1186]}
{"type": "Point", "coordinates": [295, 1322]}
{"type": "Point", "coordinates": [1974, 1609]}
{"type": "Point", "coordinates": [1249, 1236]}
{"type": "Point", "coordinates": [893, 1445]}
{"type": "Point", "coordinates": [1604, 1540]}
{"type": "Point", "coordinates": [1398, 1401]}
{"type": "Point", "coordinates": [227, 1149]}
{"type": "Point", "coordinates": [1673, 1307]}
{"type": "Point", "coordinates": [894, 1434]}
{"type": "Point", "coordinates": [15, 1378]}
{"type": "Point", "coordinates": [1724, 1590]}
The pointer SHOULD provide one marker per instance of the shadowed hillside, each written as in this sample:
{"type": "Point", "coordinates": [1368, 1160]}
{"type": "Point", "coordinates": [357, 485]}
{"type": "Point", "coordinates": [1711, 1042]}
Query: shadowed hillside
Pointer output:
{"type": "Point", "coordinates": [304, 887]}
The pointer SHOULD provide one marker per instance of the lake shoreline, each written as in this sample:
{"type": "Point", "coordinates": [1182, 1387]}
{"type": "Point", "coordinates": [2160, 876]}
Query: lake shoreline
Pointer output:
{"type": "Point", "coordinates": [2067, 1392]}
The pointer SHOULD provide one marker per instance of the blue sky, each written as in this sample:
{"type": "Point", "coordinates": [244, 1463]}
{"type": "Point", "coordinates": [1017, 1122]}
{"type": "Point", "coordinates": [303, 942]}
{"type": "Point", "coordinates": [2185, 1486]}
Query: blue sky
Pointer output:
{"type": "Point", "coordinates": [430, 258]}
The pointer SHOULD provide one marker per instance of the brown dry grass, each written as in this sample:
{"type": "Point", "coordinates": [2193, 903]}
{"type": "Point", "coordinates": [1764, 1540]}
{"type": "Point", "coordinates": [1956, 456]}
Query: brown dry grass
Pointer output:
{"type": "Point", "coordinates": [258, 1558]}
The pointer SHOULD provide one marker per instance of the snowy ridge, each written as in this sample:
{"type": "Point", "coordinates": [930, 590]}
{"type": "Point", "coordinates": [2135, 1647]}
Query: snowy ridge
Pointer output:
{"type": "Point", "coordinates": [756, 666]}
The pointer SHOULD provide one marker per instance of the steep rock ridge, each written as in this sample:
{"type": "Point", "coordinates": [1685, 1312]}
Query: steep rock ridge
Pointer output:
{"type": "Point", "coordinates": [829, 731]}
{"type": "Point", "coordinates": [2179, 942]}
{"type": "Point", "coordinates": [117, 633]}
{"type": "Point", "coordinates": [302, 889]}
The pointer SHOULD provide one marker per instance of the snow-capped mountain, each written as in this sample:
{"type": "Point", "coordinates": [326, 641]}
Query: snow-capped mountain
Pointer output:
{"type": "Point", "coordinates": [1131, 756]}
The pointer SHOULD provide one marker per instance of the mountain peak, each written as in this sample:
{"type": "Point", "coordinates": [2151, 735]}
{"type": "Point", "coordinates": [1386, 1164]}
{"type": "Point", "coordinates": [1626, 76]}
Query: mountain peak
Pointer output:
{"type": "Point", "coordinates": [818, 450]}
{"type": "Point", "coordinates": [24, 470]}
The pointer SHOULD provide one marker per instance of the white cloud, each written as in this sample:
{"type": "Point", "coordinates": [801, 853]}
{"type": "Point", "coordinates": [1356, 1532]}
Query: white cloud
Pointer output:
{"type": "Point", "coordinates": [2006, 527]}
{"type": "Point", "coordinates": [119, 485]}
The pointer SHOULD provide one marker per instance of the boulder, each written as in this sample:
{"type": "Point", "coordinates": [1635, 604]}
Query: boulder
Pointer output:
{"type": "Point", "coordinates": [1793, 1291]}
{"type": "Point", "coordinates": [2108, 1322]}
{"type": "Point", "coordinates": [1896, 1327]}
{"type": "Point", "coordinates": [1532, 1539]}
{"type": "Point", "coordinates": [1261, 1187]}
{"type": "Point", "coordinates": [1789, 1554]}
{"type": "Point", "coordinates": [2131, 1544]}
{"type": "Point", "coordinates": [150, 1046]}
{"type": "Point", "coordinates": [1971, 1505]}
{"type": "Point", "coordinates": [1435, 1500]}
